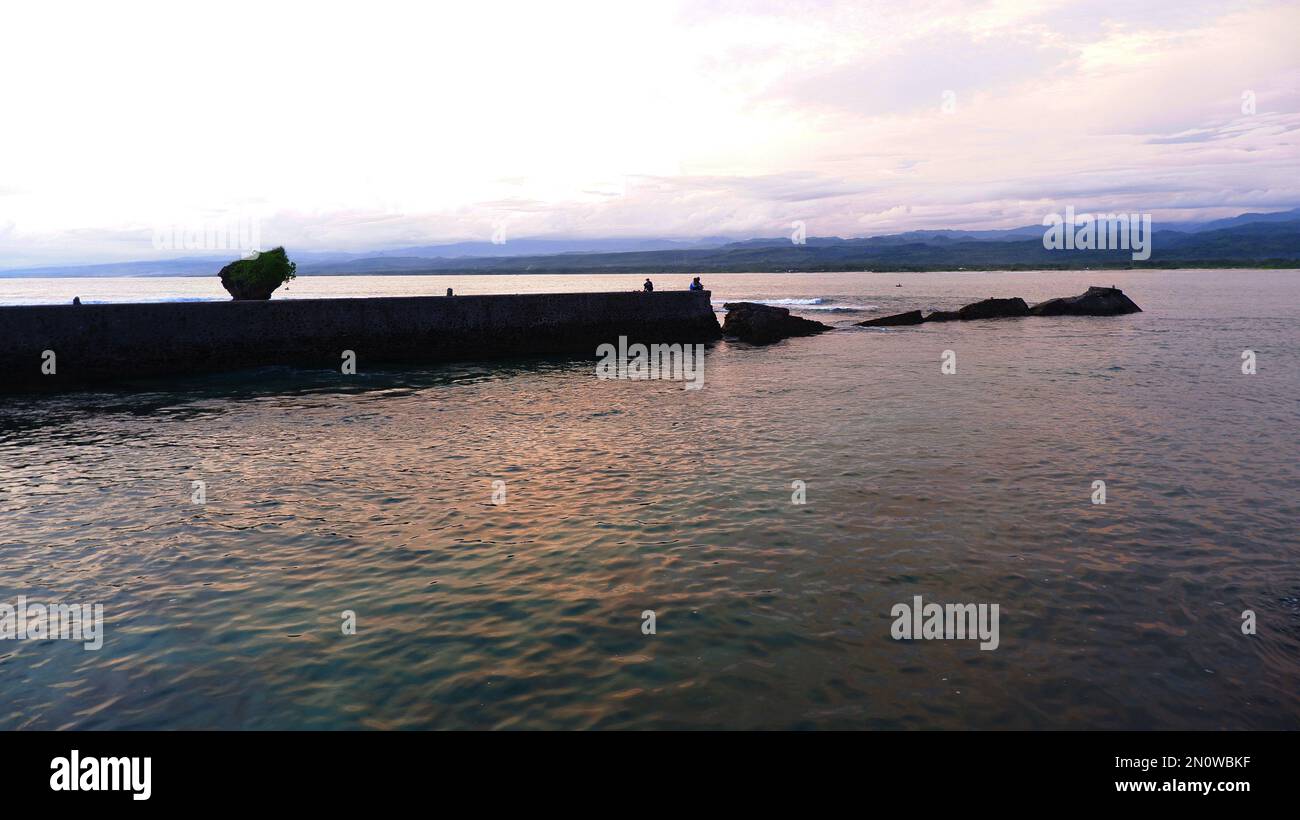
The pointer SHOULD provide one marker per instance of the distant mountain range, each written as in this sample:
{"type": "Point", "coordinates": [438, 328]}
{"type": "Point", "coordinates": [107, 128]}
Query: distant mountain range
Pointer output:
{"type": "Point", "coordinates": [1248, 240]}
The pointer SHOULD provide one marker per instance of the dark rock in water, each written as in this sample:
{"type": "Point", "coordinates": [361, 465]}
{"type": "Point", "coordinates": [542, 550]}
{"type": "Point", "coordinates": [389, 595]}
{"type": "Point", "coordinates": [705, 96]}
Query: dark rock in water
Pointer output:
{"type": "Point", "coordinates": [1096, 302]}
{"type": "Point", "coordinates": [764, 324]}
{"type": "Point", "coordinates": [994, 309]}
{"type": "Point", "coordinates": [943, 316]}
{"type": "Point", "coordinates": [912, 317]}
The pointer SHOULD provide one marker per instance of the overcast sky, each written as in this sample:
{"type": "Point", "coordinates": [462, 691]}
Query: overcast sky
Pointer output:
{"type": "Point", "coordinates": [371, 124]}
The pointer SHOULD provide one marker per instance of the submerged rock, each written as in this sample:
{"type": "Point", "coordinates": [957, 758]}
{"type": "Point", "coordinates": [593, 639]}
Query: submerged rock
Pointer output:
{"type": "Point", "coordinates": [764, 324]}
{"type": "Point", "coordinates": [912, 317]}
{"type": "Point", "coordinates": [1095, 302]}
{"type": "Point", "coordinates": [994, 309]}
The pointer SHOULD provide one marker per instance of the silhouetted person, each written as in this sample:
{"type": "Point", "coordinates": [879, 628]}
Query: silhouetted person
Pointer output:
{"type": "Point", "coordinates": [448, 291]}
{"type": "Point", "coordinates": [648, 286]}
{"type": "Point", "coordinates": [696, 284]}
{"type": "Point", "coordinates": [76, 300]}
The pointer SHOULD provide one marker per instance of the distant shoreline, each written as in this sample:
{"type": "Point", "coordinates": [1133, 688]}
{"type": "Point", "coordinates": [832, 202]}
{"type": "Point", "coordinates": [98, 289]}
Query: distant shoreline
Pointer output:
{"type": "Point", "coordinates": [1280, 264]}
{"type": "Point", "coordinates": [1266, 241]}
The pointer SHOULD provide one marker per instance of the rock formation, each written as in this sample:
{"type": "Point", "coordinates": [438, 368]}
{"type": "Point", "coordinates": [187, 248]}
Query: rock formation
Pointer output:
{"type": "Point", "coordinates": [912, 317]}
{"type": "Point", "coordinates": [1095, 302]}
{"type": "Point", "coordinates": [994, 309]}
{"type": "Point", "coordinates": [763, 324]}
{"type": "Point", "coordinates": [943, 316]}
{"type": "Point", "coordinates": [258, 277]}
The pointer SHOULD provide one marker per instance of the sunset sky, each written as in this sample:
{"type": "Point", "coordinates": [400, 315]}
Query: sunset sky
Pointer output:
{"type": "Point", "coordinates": [368, 125]}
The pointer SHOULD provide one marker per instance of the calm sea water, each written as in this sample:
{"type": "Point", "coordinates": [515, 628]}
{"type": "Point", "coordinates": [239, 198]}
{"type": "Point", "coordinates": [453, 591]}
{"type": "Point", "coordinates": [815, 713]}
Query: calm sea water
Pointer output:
{"type": "Point", "coordinates": [373, 494]}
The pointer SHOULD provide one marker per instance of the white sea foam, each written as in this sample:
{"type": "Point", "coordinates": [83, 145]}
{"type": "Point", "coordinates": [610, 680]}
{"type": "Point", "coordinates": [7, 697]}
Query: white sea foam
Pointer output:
{"type": "Point", "coordinates": [812, 303]}
{"type": "Point", "coordinates": [814, 300]}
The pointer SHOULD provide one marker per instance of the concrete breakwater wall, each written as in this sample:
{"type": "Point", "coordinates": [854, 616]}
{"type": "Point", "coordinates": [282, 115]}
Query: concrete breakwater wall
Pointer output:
{"type": "Point", "coordinates": [57, 346]}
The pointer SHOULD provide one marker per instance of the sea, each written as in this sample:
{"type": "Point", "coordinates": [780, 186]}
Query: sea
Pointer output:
{"type": "Point", "coordinates": [519, 544]}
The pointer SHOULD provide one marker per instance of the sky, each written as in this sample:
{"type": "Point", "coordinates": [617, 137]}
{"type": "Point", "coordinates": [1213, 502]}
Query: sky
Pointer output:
{"type": "Point", "coordinates": [357, 126]}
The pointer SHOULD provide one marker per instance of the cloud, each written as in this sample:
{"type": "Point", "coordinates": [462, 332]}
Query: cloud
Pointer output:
{"type": "Point", "coordinates": [407, 126]}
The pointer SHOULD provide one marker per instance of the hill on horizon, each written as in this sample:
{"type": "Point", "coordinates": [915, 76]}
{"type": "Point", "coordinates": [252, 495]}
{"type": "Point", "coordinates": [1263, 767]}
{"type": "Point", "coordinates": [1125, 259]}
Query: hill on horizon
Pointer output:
{"type": "Point", "coordinates": [1271, 239]}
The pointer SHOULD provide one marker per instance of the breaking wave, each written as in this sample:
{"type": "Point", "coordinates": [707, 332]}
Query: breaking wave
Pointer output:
{"type": "Point", "coordinates": [801, 305]}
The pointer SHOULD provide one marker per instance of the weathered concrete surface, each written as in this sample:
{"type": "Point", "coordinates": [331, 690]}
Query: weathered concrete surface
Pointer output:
{"type": "Point", "coordinates": [761, 324]}
{"type": "Point", "coordinates": [113, 343]}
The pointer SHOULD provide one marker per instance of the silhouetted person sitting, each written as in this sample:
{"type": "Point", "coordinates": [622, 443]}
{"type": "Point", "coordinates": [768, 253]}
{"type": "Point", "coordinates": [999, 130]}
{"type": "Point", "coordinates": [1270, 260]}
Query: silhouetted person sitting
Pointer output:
{"type": "Point", "coordinates": [76, 300]}
{"type": "Point", "coordinates": [696, 284]}
{"type": "Point", "coordinates": [648, 286]}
